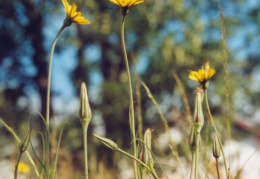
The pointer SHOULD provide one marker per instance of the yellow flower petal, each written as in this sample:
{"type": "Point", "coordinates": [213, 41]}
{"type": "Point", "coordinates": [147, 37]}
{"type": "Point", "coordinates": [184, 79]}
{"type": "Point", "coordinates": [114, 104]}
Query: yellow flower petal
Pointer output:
{"type": "Point", "coordinates": [203, 75]}
{"type": "Point", "coordinates": [73, 15]}
{"type": "Point", "coordinates": [115, 2]}
{"type": "Point", "coordinates": [67, 6]}
{"type": "Point", "coordinates": [73, 12]}
{"type": "Point", "coordinates": [23, 168]}
{"type": "Point", "coordinates": [81, 20]}
{"type": "Point", "coordinates": [126, 3]}
{"type": "Point", "coordinates": [135, 2]}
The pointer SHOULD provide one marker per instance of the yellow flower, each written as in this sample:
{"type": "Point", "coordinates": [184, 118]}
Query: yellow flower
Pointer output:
{"type": "Point", "coordinates": [23, 168]}
{"type": "Point", "coordinates": [73, 15]}
{"type": "Point", "coordinates": [126, 3]}
{"type": "Point", "coordinates": [204, 74]}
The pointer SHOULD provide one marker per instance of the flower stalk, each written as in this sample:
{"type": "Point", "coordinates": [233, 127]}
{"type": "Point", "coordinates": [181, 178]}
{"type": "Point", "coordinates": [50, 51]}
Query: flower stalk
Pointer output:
{"type": "Point", "coordinates": [198, 123]}
{"type": "Point", "coordinates": [73, 16]}
{"type": "Point", "coordinates": [216, 153]}
{"type": "Point", "coordinates": [112, 145]}
{"type": "Point", "coordinates": [216, 133]}
{"type": "Point", "coordinates": [132, 119]}
{"type": "Point", "coordinates": [85, 115]}
{"type": "Point", "coordinates": [48, 100]}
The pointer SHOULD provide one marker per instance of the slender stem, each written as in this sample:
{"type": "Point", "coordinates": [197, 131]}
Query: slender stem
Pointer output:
{"type": "Point", "coordinates": [215, 130]}
{"type": "Point", "coordinates": [49, 76]}
{"type": "Point", "coordinates": [48, 100]}
{"type": "Point", "coordinates": [217, 166]}
{"type": "Point", "coordinates": [192, 164]}
{"type": "Point", "coordinates": [19, 141]}
{"type": "Point", "coordinates": [132, 120]}
{"type": "Point", "coordinates": [57, 155]}
{"type": "Point", "coordinates": [16, 165]}
{"type": "Point", "coordinates": [197, 154]}
{"type": "Point", "coordinates": [85, 138]}
{"type": "Point", "coordinates": [139, 161]}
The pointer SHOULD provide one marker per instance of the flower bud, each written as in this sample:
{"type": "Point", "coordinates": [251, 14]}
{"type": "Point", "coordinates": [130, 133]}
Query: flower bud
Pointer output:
{"type": "Point", "coordinates": [148, 159]}
{"type": "Point", "coordinates": [198, 114]}
{"type": "Point", "coordinates": [216, 147]}
{"type": "Point", "coordinates": [107, 142]}
{"type": "Point", "coordinates": [25, 142]}
{"type": "Point", "coordinates": [84, 108]}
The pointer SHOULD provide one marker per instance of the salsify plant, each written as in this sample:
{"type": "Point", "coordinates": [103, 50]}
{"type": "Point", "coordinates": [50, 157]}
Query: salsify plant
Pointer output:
{"type": "Point", "coordinates": [202, 76]}
{"type": "Point", "coordinates": [142, 155]}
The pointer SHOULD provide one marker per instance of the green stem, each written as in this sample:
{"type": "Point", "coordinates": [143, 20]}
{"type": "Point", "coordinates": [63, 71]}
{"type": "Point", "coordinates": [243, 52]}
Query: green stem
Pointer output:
{"type": "Point", "coordinates": [215, 130]}
{"type": "Point", "coordinates": [48, 101]}
{"type": "Point", "coordinates": [16, 165]}
{"type": "Point", "coordinates": [132, 120]}
{"type": "Point", "coordinates": [19, 141]}
{"type": "Point", "coordinates": [139, 161]}
{"type": "Point", "coordinates": [217, 166]}
{"type": "Point", "coordinates": [49, 76]}
{"type": "Point", "coordinates": [85, 138]}
{"type": "Point", "coordinates": [192, 164]}
{"type": "Point", "coordinates": [197, 155]}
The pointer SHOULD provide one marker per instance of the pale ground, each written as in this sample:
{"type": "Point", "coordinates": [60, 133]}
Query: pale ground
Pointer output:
{"type": "Point", "coordinates": [239, 152]}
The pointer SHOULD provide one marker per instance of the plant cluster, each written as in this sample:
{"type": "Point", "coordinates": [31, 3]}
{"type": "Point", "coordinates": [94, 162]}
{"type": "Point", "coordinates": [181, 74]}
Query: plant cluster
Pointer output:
{"type": "Point", "coordinates": [142, 155]}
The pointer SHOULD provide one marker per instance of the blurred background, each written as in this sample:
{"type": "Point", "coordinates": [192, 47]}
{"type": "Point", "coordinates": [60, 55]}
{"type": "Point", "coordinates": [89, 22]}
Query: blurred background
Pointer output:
{"type": "Point", "coordinates": [162, 37]}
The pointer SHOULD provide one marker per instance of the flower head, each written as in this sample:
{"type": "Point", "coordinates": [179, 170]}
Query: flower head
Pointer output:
{"type": "Point", "coordinates": [23, 168]}
{"type": "Point", "coordinates": [125, 4]}
{"type": "Point", "coordinates": [73, 15]}
{"type": "Point", "coordinates": [203, 75]}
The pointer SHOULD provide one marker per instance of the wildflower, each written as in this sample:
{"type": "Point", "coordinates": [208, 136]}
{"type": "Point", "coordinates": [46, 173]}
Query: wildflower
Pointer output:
{"type": "Point", "coordinates": [203, 75]}
{"type": "Point", "coordinates": [73, 15]}
{"type": "Point", "coordinates": [126, 4]}
{"type": "Point", "coordinates": [84, 109]}
{"type": "Point", "coordinates": [23, 168]}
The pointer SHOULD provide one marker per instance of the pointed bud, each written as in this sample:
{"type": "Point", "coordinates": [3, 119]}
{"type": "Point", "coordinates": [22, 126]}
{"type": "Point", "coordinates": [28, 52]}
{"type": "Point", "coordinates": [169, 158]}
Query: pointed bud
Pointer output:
{"type": "Point", "coordinates": [216, 147]}
{"type": "Point", "coordinates": [148, 159]}
{"type": "Point", "coordinates": [25, 142]}
{"type": "Point", "coordinates": [198, 114]}
{"type": "Point", "coordinates": [84, 108]}
{"type": "Point", "coordinates": [107, 142]}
